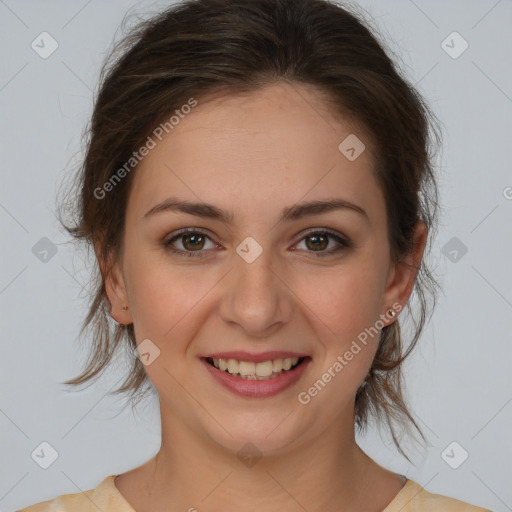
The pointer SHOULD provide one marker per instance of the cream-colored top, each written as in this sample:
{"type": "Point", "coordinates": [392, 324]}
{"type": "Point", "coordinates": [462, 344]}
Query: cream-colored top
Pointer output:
{"type": "Point", "coordinates": [107, 498]}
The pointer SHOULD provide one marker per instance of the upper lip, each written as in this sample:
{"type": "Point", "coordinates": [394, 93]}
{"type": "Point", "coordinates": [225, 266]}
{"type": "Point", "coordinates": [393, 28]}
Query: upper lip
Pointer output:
{"type": "Point", "coordinates": [241, 355]}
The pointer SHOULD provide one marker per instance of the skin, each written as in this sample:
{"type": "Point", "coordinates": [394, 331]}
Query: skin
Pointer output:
{"type": "Point", "coordinates": [253, 155]}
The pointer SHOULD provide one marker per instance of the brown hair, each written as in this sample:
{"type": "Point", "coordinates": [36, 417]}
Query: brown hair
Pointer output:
{"type": "Point", "coordinates": [199, 47]}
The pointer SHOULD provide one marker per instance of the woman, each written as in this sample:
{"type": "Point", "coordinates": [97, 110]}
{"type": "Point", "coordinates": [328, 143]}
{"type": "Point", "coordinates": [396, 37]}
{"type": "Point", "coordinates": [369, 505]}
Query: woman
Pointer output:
{"type": "Point", "coordinates": [259, 192]}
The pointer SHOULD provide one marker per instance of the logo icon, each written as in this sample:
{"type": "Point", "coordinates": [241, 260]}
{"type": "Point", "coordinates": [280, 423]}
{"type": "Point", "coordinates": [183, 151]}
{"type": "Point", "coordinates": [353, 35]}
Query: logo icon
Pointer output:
{"type": "Point", "coordinates": [454, 45]}
{"type": "Point", "coordinates": [454, 455]}
{"type": "Point", "coordinates": [454, 249]}
{"type": "Point", "coordinates": [44, 45]}
{"type": "Point", "coordinates": [249, 454]}
{"type": "Point", "coordinates": [249, 249]}
{"type": "Point", "coordinates": [351, 147]}
{"type": "Point", "coordinates": [44, 455]}
{"type": "Point", "coordinates": [44, 250]}
{"type": "Point", "coordinates": [146, 351]}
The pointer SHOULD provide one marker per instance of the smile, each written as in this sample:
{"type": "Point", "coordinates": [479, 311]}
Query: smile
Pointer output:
{"type": "Point", "coordinates": [261, 379]}
{"type": "Point", "coordinates": [256, 371]}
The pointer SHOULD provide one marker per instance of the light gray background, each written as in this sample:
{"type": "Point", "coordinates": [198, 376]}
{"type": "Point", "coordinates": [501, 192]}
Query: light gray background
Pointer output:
{"type": "Point", "coordinates": [459, 381]}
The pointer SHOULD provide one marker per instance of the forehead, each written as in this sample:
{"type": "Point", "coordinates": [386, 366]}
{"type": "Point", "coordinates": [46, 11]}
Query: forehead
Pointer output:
{"type": "Point", "coordinates": [280, 143]}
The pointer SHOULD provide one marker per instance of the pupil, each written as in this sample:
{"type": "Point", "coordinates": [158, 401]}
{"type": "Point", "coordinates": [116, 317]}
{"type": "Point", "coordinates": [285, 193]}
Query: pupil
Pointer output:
{"type": "Point", "coordinates": [318, 239]}
{"type": "Point", "coordinates": [195, 239]}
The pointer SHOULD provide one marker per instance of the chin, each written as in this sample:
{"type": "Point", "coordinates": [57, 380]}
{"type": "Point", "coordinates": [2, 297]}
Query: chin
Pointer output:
{"type": "Point", "coordinates": [260, 433]}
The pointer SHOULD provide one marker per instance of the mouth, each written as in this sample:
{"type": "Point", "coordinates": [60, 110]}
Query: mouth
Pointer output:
{"type": "Point", "coordinates": [269, 375]}
{"type": "Point", "coordinates": [249, 370]}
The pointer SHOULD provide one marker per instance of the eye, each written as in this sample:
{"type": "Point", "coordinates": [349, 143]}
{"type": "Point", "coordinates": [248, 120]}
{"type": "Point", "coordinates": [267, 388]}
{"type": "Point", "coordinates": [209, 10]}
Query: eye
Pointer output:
{"type": "Point", "coordinates": [318, 240]}
{"type": "Point", "coordinates": [192, 240]}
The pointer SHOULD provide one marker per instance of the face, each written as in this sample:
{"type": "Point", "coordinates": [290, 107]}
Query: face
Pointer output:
{"type": "Point", "coordinates": [258, 277]}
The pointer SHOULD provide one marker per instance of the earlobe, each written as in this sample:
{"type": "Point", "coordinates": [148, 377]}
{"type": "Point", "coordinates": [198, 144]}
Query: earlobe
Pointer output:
{"type": "Point", "coordinates": [115, 290]}
{"type": "Point", "coordinates": [117, 296]}
{"type": "Point", "coordinates": [404, 274]}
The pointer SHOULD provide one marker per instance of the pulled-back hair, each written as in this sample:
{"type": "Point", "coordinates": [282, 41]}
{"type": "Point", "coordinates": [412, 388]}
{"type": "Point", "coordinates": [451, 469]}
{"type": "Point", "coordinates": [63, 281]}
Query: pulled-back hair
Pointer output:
{"type": "Point", "coordinates": [196, 48]}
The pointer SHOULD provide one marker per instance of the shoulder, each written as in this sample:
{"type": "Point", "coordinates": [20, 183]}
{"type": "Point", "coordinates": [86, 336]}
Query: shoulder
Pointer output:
{"type": "Point", "coordinates": [413, 498]}
{"type": "Point", "coordinates": [104, 497]}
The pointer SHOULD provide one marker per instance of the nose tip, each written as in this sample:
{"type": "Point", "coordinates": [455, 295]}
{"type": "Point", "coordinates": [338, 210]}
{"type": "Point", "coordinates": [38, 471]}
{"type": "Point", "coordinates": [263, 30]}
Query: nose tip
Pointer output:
{"type": "Point", "coordinates": [255, 299]}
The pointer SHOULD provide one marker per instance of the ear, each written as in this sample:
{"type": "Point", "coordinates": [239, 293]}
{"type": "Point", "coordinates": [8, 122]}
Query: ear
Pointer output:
{"type": "Point", "coordinates": [402, 275]}
{"type": "Point", "coordinates": [115, 287]}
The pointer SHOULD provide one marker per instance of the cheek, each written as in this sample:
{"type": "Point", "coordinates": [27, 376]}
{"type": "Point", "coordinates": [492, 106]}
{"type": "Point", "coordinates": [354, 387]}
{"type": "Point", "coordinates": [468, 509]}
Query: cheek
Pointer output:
{"type": "Point", "coordinates": [345, 301]}
{"type": "Point", "coordinates": [169, 301]}
{"type": "Point", "coordinates": [345, 306]}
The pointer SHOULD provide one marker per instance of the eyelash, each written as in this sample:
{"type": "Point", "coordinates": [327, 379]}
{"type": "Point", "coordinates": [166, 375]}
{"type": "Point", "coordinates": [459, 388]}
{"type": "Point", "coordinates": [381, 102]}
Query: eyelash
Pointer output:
{"type": "Point", "coordinates": [344, 242]}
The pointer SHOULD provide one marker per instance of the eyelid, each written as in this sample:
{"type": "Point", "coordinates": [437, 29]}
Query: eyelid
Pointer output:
{"type": "Point", "coordinates": [329, 231]}
{"type": "Point", "coordinates": [343, 241]}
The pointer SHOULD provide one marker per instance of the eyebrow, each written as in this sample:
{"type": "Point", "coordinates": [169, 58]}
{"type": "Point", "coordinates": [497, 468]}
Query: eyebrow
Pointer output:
{"type": "Point", "coordinates": [290, 213]}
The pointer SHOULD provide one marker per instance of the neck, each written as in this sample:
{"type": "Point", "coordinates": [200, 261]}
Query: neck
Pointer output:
{"type": "Point", "coordinates": [191, 472]}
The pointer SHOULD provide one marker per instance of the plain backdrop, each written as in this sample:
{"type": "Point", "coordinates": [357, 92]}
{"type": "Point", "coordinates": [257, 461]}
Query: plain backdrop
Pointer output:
{"type": "Point", "coordinates": [458, 379]}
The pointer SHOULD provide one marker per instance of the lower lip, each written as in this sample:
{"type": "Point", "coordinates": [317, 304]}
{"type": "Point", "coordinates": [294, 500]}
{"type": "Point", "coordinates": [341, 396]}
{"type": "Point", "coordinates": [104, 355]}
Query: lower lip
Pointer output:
{"type": "Point", "coordinates": [257, 388]}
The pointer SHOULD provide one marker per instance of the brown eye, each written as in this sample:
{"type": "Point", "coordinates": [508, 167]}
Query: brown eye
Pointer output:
{"type": "Point", "coordinates": [318, 241]}
{"type": "Point", "coordinates": [192, 241]}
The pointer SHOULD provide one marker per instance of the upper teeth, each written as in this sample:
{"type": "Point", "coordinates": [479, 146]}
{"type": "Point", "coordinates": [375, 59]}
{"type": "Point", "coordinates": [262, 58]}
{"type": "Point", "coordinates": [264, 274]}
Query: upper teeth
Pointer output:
{"type": "Point", "coordinates": [248, 368]}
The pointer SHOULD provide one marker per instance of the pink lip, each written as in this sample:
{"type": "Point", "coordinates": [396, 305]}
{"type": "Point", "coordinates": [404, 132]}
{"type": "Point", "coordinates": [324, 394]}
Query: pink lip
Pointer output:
{"type": "Point", "coordinates": [240, 355]}
{"type": "Point", "coordinates": [257, 388]}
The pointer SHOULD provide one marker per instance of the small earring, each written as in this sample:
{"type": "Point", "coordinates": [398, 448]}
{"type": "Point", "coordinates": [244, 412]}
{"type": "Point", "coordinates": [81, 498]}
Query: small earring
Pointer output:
{"type": "Point", "coordinates": [391, 312]}
{"type": "Point", "coordinates": [125, 308]}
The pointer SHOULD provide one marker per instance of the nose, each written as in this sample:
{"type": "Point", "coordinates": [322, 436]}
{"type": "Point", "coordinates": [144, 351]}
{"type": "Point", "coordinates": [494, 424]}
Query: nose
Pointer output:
{"type": "Point", "coordinates": [257, 299]}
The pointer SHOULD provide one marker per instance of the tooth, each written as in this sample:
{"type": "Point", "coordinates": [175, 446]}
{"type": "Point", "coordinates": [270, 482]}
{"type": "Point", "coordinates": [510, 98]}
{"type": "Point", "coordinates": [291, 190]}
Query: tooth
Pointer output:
{"type": "Point", "coordinates": [264, 369]}
{"type": "Point", "coordinates": [232, 366]}
{"type": "Point", "coordinates": [246, 368]}
{"type": "Point", "coordinates": [277, 365]}
{"type": "Point", "coordinates": [251, 370]}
